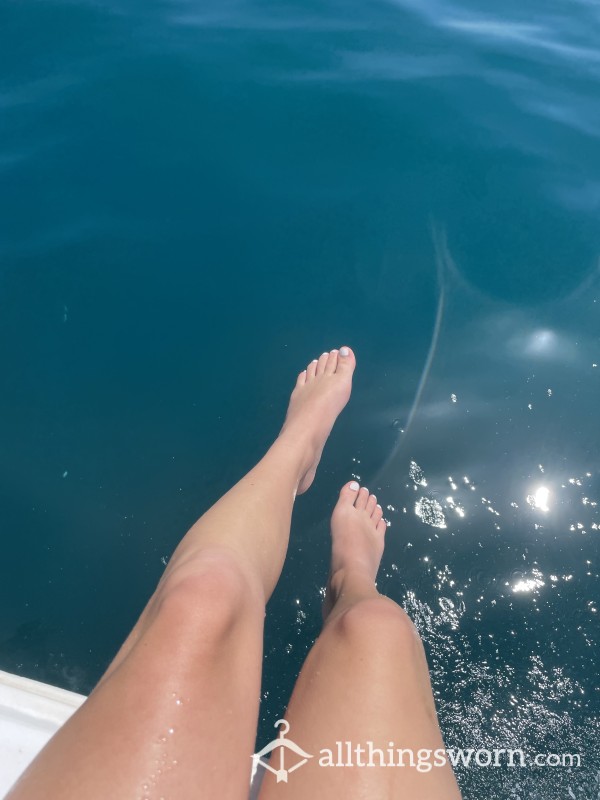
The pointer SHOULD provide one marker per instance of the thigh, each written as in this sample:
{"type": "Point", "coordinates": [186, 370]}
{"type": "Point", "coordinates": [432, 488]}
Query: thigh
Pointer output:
{"type": "Point", "coordinates": [365, 683]}
{"type": "Point", "coordinates": [175, 717]}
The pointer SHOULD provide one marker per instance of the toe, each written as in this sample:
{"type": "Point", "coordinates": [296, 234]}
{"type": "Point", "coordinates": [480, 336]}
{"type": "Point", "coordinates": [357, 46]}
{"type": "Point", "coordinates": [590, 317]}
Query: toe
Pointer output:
{"type": "Point", "coordinates": [381, 526]}
{"type": "Point", "coordinates": [311, 370]}
{"type": "Point", "coordinates": [301, 378]}
{"type": "Point", "coordinates": [377, 514]}
{"type": "Point", "coordinates": [331, 362]}
{"type": "Point", "coordinates": [371, 504]}
{"type": "Point", "coordinates": [346, 361]}
{"type": "Point", "coordinates": [321, 363]}
{"type": "Point", "coordinates": [349, 493]}
{"type": "Point", "coordinates": [361, 500]}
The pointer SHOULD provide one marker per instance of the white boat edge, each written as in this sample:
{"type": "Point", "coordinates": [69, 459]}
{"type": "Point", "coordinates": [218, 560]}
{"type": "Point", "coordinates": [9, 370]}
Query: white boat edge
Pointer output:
{"type": "Point", "coordinates": [30, 713]}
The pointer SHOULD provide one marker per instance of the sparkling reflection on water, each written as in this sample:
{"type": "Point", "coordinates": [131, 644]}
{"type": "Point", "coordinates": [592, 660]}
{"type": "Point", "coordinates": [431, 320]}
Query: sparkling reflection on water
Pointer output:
{"type": "Point", "coordinates": [505, 591]}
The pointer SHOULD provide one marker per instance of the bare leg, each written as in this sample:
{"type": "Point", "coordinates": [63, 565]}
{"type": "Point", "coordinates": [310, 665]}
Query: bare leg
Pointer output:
{"type": "Point", "coordinates": [365, 680]}
{"type": "Point", "coordinates": [175, 714]}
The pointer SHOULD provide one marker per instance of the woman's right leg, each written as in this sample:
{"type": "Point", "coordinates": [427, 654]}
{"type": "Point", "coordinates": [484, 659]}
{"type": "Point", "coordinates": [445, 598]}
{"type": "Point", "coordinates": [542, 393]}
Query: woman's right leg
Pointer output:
{"type": "Point", "coordinates": [365, 680]}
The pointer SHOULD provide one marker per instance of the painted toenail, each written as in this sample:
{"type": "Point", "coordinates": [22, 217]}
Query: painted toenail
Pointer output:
{"type": "Point", "coordinates": [379, 507]}
{"type": "Point", "coordinates": [324, 354]}
{"type": "Point", "coordinates": [344, 351]}
{"type": "Point", "coordinates": [314, 361]}
{"type": "Point", "coordinates": [353, 486]}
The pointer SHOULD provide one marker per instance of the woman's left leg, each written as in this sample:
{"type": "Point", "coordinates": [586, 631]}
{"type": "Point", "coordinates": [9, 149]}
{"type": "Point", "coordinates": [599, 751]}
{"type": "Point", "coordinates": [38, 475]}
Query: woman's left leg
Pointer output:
{"type": "Point", "coordinates": [175, 714]}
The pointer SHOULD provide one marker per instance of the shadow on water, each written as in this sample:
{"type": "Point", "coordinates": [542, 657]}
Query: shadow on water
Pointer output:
{"type": "Point", "coordinates": [494, 489]}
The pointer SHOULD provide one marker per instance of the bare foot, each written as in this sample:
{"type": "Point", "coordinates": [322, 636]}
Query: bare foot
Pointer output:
{"type": "Point", "coordinates": [357, 542]}
{"type": "Point", "coordinates": [322, 390]}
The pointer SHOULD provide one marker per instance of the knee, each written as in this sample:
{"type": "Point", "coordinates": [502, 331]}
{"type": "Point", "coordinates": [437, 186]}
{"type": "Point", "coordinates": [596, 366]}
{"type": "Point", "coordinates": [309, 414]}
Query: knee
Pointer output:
{"type": "Point", "coordinates": [210, 593]}
{"type": "Point", "coordinates": [379, 623]}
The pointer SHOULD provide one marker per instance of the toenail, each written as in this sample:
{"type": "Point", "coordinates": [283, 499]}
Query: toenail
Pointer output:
{"type": "Point", "coordinates": [314, 361]}
{"type": "Point", "coordinates": [353, 486]}
{"type": "Point", "coordinates": [344, 351]}
{"type": "Point", "coordinates": [379, 507]}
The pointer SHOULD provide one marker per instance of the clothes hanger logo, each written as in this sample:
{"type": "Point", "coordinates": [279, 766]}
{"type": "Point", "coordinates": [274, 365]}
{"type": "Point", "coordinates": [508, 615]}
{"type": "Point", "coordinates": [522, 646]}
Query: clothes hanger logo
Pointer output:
{"type": "Point", "coordinates": [285, 746]}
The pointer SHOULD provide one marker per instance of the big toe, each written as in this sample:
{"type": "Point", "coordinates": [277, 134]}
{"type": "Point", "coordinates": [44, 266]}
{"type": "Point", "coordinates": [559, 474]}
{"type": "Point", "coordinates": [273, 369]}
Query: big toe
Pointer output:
{"type": "Point", "coordinates": [346, 362]}
{"type": "Point", "coordinates": [348, 494]}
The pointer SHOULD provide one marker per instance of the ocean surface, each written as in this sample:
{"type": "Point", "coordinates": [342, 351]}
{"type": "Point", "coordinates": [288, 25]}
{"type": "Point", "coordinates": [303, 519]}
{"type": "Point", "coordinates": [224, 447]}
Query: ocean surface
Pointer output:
{"type": "Point", "coordinates": [196, 200]}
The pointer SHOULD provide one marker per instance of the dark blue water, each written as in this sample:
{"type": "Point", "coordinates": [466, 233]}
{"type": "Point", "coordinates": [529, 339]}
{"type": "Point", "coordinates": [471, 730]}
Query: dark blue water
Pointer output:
{"type": "Point", "coordinates": [196, 200]}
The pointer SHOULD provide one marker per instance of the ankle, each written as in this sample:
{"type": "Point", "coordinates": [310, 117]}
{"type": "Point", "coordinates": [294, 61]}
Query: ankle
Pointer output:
{"type": "Point", "coordinates": [300, 446]}
{"type": "Point", "coordinates": [355, 579]}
